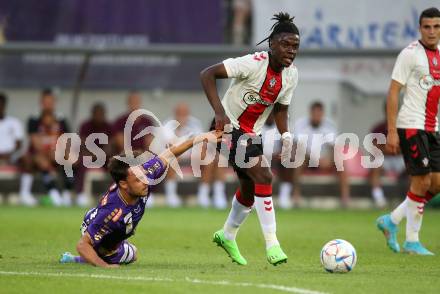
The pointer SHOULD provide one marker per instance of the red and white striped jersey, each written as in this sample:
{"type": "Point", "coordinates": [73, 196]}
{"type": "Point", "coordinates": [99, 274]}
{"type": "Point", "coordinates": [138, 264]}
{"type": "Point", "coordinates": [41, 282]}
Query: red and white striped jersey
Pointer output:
{"type": "Point", "coordinates": [418, 69]}
{"type": "Point", "coordinates": [254, 89]}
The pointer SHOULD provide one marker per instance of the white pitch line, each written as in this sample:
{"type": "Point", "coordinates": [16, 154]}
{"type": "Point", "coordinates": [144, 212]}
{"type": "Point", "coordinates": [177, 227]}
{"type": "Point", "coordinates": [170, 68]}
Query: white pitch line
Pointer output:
{"type": "Point", "coordinates": [281, 288]}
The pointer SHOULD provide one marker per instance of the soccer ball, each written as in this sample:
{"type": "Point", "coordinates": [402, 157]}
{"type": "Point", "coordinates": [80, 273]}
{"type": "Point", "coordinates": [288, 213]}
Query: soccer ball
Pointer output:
{"type": "Point", "coordinates": [338, 256]}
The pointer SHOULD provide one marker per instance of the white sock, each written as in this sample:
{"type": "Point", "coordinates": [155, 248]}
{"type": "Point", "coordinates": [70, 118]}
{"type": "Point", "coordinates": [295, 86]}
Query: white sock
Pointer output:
{"type": "Point", "coordinates": [219, 195]}
{"type": "Point", "coordinates": [266, 215]}
{"type": "Point", "coordinates": [67, 198]}
{"type": "Point", "coordinates": [414, 215]}
{"type": "Point", "coordinates": [285, 192]}
{"type": "Point", "coordinates": [378, 195]}
{"type": "Point", "coordinates": [236, 217]}
{"type": "Point", "coordinates": [170, 188]}
{"type": "Point", "coordinates": [26, 184]}
{"type": "Point", "coordinates": [55, 196]}
{"type": "Point", "coordinates": [203, 195]}
{"type": "Point", "coordinates": [399, 212]}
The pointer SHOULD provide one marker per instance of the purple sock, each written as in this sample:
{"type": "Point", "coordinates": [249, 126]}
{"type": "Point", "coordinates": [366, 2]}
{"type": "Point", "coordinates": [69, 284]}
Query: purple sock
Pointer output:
{"type": "Point", "coordinates": [79, 259]}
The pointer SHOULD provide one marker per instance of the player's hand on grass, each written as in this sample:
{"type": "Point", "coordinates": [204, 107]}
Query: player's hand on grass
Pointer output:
{"type": "Point", "coordinates": [392, 146]}
{"type": "Point", "coordinates": [112, 266]}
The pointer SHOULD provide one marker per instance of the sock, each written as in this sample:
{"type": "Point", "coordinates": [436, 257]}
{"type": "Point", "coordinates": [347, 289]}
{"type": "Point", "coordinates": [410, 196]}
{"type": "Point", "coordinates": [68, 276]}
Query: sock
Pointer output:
{"type": "Point", "coordinates": [219, 195]}
{"type": "Point", "coordinates": [219, 189]}
{"type": "Point", "coordinates": [26, 184]}
{"type": "Point", "coordinates": [170, 188]}
{"type": "Point", "coordinates": [55, 196]}
{"type": "Point", "coordinates": [399, 212]}
{"type": "Point", "coordinates": [203, 195]}
{"type": "Point", "coordinates": [171, 196]}
{"type": "Point", "coordinates": [67, 198]}
{"type": "Point", "coordinates": [414, 215]}
{"type": "Point", "coordinates": [79, 259]}
{"type": "Point", "coordinates": [239, 211]}
{"type": "Point", "coordinates": [266, 213]}
{"type": "Point", "coordinates": [378, 195]}
{"type": "Point", "coordinates": [285, 191]}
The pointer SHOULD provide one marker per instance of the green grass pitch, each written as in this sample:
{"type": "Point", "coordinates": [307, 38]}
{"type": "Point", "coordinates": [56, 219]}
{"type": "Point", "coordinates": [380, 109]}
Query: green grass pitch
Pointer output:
{"type": "Point", "coordinates": [176, 255]}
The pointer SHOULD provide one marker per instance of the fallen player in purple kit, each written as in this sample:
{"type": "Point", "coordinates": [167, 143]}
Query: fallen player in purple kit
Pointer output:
{"type": "Point", "coordinates": [107, 227]}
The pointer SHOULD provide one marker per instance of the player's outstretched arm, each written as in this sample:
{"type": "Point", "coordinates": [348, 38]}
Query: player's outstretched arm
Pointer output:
{"type": "Point", "coordinates": [85, 249]}
{"type": "Point", "coordinates": [208, 76]}
{"type": "Point", "coordinates": [175, 151]}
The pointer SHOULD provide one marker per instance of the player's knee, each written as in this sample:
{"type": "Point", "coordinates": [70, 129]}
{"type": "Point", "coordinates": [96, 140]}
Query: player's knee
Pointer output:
{"type": "Point", "coordinates": [435, 187]}
{"type": "Point", "coordinates": [265, 177]}
{"type": "Point", "coordinates": [421, 183]}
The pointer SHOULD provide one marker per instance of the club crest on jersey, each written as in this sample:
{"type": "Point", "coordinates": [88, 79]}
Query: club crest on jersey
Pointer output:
{"type": "Point", "coordinates": [272, 82]}
{"type": "Point", "coordinates": [434, 61]}
{"type": "Point", "coordinates": [251, 98]}
{"type": "Point", "coordinates": [425, 162]}
{"type": "Point", "coordinates": [426, 82]}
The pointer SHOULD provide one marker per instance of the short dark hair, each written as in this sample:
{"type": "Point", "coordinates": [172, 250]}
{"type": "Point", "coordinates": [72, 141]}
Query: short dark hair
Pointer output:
{"type": "Point", "coordinates": [97, 106]}
{"type": "Point", "coordinates": [119, 169]}
{"type": "Point", "coordinates": [46, 92]}
{"type": "Point", "coordinates": [429, 13]}
{"type": "Point", "coordinates": [284, 24]}
{"type": "Point", "coordinates": [3, 98]}
{"type": "Point", "coordinates": [317, 104]}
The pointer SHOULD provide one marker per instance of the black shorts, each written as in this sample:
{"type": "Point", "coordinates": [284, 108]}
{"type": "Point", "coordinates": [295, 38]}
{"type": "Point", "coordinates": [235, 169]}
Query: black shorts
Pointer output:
{"type": "Point", "coordinates": [241, 141]}
{"type": "Point", "coordinates": [421, 151]}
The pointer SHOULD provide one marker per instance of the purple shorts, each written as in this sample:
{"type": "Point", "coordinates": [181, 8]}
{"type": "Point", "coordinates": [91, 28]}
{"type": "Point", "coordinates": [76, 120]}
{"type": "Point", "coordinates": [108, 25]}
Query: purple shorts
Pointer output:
{"type": "Point", "coordinates": [125, 254]}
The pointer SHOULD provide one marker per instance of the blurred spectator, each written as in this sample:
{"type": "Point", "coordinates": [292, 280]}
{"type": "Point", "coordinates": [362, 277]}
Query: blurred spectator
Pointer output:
{"type": "Point", "coordinates": [272, 149]}
{"type": "Point", "coordinates": [188, 125]}
{"type": "Point", "coordinates": [313, 129]}
{"type": "Point", "coordinates": [241, 16]}
{"type": "Point", "coordinates": [392, 164]}
{"type": "Point", "coordinates": [134, 102]}
{"type": "Point", "coordinates": [97, 124]}
{"type": "Point", "coordinates": [12, 134]}
{"type": "Point", "coordinates": [213, 174]}
{"type": "Point", "coordinates": [44, 131]}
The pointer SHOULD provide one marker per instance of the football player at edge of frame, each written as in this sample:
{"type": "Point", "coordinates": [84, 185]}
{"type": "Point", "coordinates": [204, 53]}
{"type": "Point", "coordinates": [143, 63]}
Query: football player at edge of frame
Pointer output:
{"type": "Point", "coordinates": [414, 129]}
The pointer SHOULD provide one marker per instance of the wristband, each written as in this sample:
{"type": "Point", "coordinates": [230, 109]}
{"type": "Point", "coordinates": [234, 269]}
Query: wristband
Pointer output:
{"type": "Point", "coordinates": [286, 136]}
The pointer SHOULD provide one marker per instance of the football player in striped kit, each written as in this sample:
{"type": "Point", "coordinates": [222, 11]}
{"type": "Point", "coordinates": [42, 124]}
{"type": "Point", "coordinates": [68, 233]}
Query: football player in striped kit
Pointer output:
{"type": "Point", "coordinates": [261, 82]}
{"type": "Point", "coordinates": [414, 129]}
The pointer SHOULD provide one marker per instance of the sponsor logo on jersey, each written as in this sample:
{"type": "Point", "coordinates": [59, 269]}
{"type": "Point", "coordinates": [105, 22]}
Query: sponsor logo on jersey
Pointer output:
{"type": "Point", "coordinates": [426, 82]}
{"type": "Point", "coordinates": [251, 98]}
{"type": "Point", "coordinates": [117, 215]}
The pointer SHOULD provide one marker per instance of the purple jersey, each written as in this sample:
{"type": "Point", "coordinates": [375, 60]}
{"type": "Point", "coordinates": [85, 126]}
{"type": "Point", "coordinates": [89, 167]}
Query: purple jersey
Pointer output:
{"type": "Point", "coordinates": [113, 220]}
